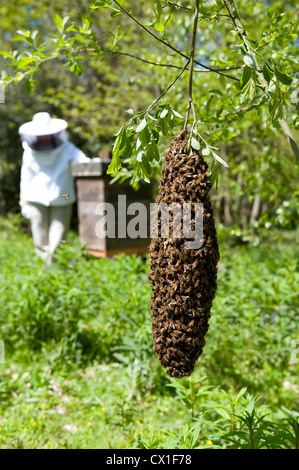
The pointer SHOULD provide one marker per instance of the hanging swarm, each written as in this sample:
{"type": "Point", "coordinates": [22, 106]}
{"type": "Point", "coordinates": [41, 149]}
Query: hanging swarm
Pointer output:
{"type": "Point", "coordinates": [183, 280]}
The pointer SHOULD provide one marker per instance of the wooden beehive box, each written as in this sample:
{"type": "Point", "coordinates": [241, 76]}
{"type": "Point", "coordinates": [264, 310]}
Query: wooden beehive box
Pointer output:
{"type": "Point", "coordinates": [93, 187]}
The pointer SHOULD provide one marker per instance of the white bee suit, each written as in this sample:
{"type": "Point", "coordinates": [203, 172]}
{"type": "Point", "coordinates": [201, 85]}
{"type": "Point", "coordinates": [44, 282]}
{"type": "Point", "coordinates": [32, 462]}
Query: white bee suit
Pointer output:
{"type": "Point", "coordinates": [46, 177]}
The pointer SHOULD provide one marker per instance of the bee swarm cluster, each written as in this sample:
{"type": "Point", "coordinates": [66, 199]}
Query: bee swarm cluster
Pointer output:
{"type": "Point", "coordinates": [183, 280]}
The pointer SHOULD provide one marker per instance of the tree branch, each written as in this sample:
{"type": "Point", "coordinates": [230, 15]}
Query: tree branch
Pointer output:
{"type": "Point", "coordinates": [160, 64]}
{"type": "Point", "coordinates": [156, 64]}
{"type": "Point", "coordinates": [233, 13]}
{"type": "Point", "coordinates": [178, 6]}
{"type": "Point", "coordinates": [190, 102]}
{"type": "Point", "coordinates": [169, 86]}
{"type": "Point", "coordinates": [177, 51]}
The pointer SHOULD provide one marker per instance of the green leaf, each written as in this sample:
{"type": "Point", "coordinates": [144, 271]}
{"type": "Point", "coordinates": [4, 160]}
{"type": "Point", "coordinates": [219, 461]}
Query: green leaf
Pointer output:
{"type": "Point", "coordinates": [267, 73]}
{"type": "Point", "coordinates": [149, 153]}
{"type": "Point", "coordinates": [96, 5]}
{"type": "Point", "coordinates": [58, 20]}
{"type": "Point", "coordinates": [159, 27]}
{"type": "Point", "coordinates": [114, 166]}
{"type": "Point", "coordinates": [248, 91]}
{"type": "Point", "coordinates": [144, 136]}
{"type": "Point", "coordinates": [275, 104]}
{"type": "Point", "coordinates": [163, 125]}
{"type": "Point", "coordinates": [86, 23]}
{"type": "Point", "coordinates": [159, 9]}
{"type": "Point", "coordinates": [214, 174]}
{"type": "Point", "coordinates": [141, 126]}
{"type": "Point", "coordinates": [77, 69]}
{"type": "Point", "coordinates": [73, 27]}
{"type": "Point", "coordinates": [24, 62]}
{"type": "Point", "coordinates": [220, 160]}
{"type": "Point", "coordinates": [126, 150]}
{"type": "Point", "coordinates": [155, 136]}
{"type": "Point", "coordinates": [153, 151]}
{"type": "Point", "coordinates": [113, 14]}
{"type": "Point", "coordinates": [171, 120]}
{"type": "Point", "coordinates": [130, 131]}
{"type": "Point", "coordinates": [26, 34]}
{"type": "Point", "coordinates": [28, 86]}
{"type": "Point", "coordinates": [178, 115]}
{"type": "Point", "coordinates": [140, 155]}
{"type": "Point", "coordinates": [6, 54]}
{"type": "Point", "coordinates": [216, 91]}
{"type": "Point", "coordinates": [195, 144]}
{"type": "Point", "coordinates": [285, 79]}
{"type": "Point", "coordinates": [146, 166]}
{"type": "Point", "coordinates": [119, 131]}
{"type": "Point", "coordinates": [164, 113]}
{"type": "Point", "coordinates": [34, 34]}
{"type": "Point", "coordinates": [249, 60]}
{"type": "Point", "coordinates": [18, 38]}
{"type": "Point", "coordinates": [138, 143]}
{"type": "Point", "coordinates": [246, 75]}
{"type": "Point", "coordinates": [222, 81]}
{"type": "Point", "coordinates": [119, 141]}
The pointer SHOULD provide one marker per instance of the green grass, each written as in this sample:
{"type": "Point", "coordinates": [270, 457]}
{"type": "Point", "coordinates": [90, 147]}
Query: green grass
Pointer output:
{"type": "Point", "coordinates": [79, 367]}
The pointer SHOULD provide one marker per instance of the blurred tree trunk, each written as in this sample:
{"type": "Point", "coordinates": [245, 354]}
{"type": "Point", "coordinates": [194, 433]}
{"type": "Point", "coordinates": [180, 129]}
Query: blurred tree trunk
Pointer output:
{"type": "Point", "coordinates": [256, 206]}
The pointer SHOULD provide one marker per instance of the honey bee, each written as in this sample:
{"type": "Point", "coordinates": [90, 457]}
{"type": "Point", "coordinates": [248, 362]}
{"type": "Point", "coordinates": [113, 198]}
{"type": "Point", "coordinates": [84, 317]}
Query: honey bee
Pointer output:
{"type": "Point", "coordinates": [65, 196]}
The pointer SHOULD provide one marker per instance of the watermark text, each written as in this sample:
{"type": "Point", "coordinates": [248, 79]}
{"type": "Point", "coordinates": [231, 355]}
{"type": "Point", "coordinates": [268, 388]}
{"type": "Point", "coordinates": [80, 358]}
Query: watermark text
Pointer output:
{"type": "Point", "coordinates": [173, 220]}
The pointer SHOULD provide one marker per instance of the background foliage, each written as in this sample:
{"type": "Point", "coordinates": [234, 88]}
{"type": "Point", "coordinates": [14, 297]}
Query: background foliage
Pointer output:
{"type": "Point", "coordinates": [89, 63]}
{"type": "Point", "coordinates": [80, 370]}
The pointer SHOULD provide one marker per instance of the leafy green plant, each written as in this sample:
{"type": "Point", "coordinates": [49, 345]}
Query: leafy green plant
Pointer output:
{"type": "Point", "coordinates": [255, 432]}
{"type": "Point", "coordinates": [78, 352]}
{"type": "Point", "coordinates": [190, 392]}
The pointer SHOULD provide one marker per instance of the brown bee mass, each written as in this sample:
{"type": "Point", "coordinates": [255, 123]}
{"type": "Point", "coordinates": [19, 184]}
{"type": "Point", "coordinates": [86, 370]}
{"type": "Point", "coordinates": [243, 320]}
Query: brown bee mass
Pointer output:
{"type": "Point", "coordinates": [183, 280]}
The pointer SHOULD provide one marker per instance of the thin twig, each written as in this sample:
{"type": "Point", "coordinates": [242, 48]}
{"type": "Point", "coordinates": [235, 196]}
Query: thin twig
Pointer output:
{"type": "Point", "coordinates": [150, 62]}
{"type": "Point", "coordinates": [234, 113]}
{"type": "Point", "coordinates": [157, 64]}
{"type": "Point", "coordinates": [178, 6]}
{"type": "Point", "coordinates": [190, 102]}
{"type": "Point", "coordinates": [194, 114]}
{"type": "Point", "coordinates": [160, 64]}
{"type": "Point", "coordinates": [232, 11]}
{"type": "Point", "coordinates": [169, 86]}
{"type": "Point", "coordinates": [263, 44]}
{"type": "Point", "coordinates": [177, 51]}
{"type": "Point", "coordinates": [224, 21]}
{"type": "Point", "coordinates": [220, 69]}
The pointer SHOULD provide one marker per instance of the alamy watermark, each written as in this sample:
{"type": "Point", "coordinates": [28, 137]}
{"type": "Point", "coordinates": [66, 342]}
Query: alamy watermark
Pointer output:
{"type": "Point", "coordinates": [166, 221]}
{"type": "Point", "coordinates": [2, 92]}
{"type": "Point", "coordinates": [1, 352]}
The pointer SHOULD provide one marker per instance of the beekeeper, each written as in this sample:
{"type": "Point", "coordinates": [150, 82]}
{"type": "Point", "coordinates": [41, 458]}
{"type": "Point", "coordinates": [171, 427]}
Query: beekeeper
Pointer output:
{"type": "Point", "coordinates": [47, 190]}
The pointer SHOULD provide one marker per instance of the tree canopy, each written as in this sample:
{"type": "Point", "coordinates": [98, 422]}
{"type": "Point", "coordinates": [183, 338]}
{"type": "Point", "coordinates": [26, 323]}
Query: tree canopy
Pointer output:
{"type": "Point", "coordinates": [130, 74]}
